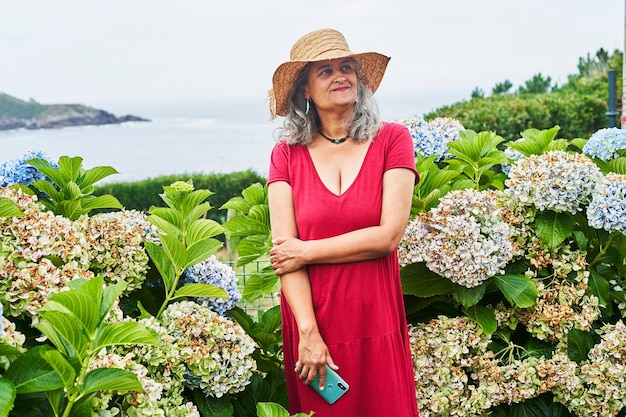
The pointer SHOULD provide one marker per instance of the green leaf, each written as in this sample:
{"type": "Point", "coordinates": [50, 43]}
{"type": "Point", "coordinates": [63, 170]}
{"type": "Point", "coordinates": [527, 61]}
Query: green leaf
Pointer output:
{"type": "Point", "coordinates": [213, 407]}
{"type": "Point", "coordinates": [47, 187]}
{"type": "Point", "coordinates": [70, 168]}
{"type": "Point", "coordinates": [100, 202]}
{"type": "Point", "coordinates": [170, 226]}
{"type": "Point", "coordinates": [579, 343]}
{"type": "Point", "coordinates": [600, 287]}
{"type": "Point", "coordinates": [81, 306]}
{"type": "Point", "coordinates": [271, 410]}
{"type": "Point", "coordinates": [420, 281]}
{"type": "Point", "coordinates": [202, 229]}
{"type": "Point", "coordinates": [485, 317]}
{"type": "Point", "coordinates": [126, 333]}
{"type": "Point", "coordinates": [200, 290]}
{"type": "Point", "coordinates": [65, 332]}
{"type": "Point", "coordinates": [242, 226]}
{"type": "Point", "coordinates": [61, 366]}
{"type": "Point", "coordinates": [261, 214]}
{"type": "Point", "coordinates": [255, 194]}
{"type": "Point", "coordinates": [30, 372]}
{"type": "Point", "coordinates": [518, 289]}
{"type": "Point", "coordinates": [238, 204]}
{"type": "Point", "coordinates": [95, 174]}
{"type": "Point", "coordinates": [8, 350]}
{"type": "Point", "coordinates": [175, 251]}
{"type": "Point", "coordinates": [162, 263]}
{"type": "Point", "coordinates": [554, 227]}
{"type": "Point", "coordinates": [467, 297]}
{"type": "Point", "coordinates": [110, 379]}
{"type": "Point", "coordinates": [617, 165]}
{"type": "Point", "coordinates": [7, 396]}
{"type": "Point", "coordinates": [201, 251]}
{"type": "Point", "coordinates": [260, 285]}
{"type": "Point", "coordinates": [251, 248]}
{"type": "Point", "coordinates": [9, 209]}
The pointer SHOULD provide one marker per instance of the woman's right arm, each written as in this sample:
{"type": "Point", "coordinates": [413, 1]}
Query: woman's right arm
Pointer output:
{"type": "Point", "coordinates": [296, 288]}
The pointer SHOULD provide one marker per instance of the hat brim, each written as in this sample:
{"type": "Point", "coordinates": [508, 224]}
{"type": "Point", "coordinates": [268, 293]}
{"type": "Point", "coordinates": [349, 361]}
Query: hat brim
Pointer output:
{"type": "Point", "coordinates": [371, 69]}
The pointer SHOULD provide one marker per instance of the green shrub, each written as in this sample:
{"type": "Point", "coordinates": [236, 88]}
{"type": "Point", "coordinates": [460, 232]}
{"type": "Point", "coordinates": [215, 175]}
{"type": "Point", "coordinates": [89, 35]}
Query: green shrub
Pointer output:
{"type": "Point", "coordinates": [141, 195]}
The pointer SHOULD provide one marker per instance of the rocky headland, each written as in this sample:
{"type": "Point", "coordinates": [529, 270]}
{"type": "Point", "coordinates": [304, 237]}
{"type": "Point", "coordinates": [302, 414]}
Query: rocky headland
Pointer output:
{"type": "Point", "coordinates": [19, 114]}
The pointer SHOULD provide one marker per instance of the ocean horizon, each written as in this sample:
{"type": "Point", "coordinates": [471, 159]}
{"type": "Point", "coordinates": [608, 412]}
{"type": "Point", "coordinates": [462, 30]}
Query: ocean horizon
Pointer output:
{"type": "Point", "coordinates": [183, 137]}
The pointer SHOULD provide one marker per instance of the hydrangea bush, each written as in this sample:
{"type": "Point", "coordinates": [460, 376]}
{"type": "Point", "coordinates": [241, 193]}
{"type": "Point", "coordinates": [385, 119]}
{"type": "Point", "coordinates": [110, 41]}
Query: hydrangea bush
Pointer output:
{"type": "Point", "coordinates": [515, 288]}
{"type": "Point", "coordinates": [204, 360]}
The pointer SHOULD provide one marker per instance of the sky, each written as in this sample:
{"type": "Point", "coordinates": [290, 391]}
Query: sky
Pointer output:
{"type": "Point", "coordinates": [87, 51]}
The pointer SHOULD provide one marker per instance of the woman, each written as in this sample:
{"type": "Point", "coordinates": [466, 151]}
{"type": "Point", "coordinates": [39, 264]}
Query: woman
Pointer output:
{"type": "Point", "coordinates": [340, 190]}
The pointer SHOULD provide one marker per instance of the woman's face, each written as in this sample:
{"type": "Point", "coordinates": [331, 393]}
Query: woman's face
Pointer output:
{"type": "Point", "coordinates": [332, 84]}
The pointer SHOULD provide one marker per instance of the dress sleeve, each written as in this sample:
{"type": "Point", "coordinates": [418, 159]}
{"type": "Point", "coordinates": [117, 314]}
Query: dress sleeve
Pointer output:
{"type": "Point", "coordinates": [400, 151]}
{"type": "Point", "coordinates": [279, 164]}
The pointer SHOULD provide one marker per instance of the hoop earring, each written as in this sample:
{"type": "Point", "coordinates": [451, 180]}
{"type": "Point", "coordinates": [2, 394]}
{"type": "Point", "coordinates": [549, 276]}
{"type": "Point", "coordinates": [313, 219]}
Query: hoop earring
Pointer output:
{"type": "Point", "coordinates": [308, 101]}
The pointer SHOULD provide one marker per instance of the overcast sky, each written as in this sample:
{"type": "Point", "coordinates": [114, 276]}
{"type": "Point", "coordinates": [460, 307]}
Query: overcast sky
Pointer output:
{"type": "Point", "coordinates": [83, 51]}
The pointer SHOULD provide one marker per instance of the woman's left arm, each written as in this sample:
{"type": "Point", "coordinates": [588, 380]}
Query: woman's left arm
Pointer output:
{"type": "Point", "coordinates": [373, 242]}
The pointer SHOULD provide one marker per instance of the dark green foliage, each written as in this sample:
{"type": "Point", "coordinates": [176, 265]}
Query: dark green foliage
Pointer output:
{"type": "Point", "coordinates": [536, 85]}
{"type": "Point", "coordinates": [502, 88]}
{"type": "Point", "coordinates": [579, 106]}
{"type": "Point", "coordinates": [579, 115]}
{"type": "Point", "coordinates": [141, 195]}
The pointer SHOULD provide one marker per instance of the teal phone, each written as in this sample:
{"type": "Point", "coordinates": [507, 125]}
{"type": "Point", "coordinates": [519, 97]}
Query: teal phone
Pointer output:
{"type": "Point", "coordinates": [334, 388]}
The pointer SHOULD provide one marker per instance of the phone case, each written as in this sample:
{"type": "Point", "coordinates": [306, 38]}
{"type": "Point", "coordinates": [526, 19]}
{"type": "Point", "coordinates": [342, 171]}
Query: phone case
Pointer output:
{"type": "Point", "coordinates": [335, 386]}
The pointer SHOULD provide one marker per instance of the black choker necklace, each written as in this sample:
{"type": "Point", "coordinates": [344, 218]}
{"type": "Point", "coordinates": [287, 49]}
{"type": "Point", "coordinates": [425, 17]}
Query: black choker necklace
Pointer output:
{"type": "Point", "coordinates": [335, 141]}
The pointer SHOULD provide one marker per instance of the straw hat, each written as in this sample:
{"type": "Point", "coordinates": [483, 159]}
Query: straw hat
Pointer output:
{"type": "Point", "coordinates": [321, 45]}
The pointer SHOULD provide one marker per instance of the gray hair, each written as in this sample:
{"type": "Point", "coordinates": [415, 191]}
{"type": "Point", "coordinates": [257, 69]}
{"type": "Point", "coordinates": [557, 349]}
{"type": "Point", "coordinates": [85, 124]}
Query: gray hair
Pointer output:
{"type": "Point", "coordinates": [301, 127]}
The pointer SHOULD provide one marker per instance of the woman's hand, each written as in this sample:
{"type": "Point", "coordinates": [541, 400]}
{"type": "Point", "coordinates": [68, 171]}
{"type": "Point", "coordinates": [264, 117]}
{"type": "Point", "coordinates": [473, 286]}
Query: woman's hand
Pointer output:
{"type": "Point", "coordinates": [287, 255]}
{"type": "Point", "coordinates": [313, 355]}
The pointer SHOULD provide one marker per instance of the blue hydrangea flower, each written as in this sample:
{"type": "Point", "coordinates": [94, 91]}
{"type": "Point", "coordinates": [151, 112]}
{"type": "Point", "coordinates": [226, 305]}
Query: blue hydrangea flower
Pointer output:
{"type": "Point", "coordinates": [212, 271]}
{"type": "Point", "coordinates": [605, 143]}
{"type": "Point", "coordinates": [18, 171]}
{"type": "Point", "coordinates": [432, 137]}
{"type": "Point", "coordinates": [607, 209]}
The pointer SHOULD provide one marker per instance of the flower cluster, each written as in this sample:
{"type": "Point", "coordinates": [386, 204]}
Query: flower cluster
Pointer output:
{"type": "Point", "coordinates": [154, 400]}
{"type": "Point", "coordinates": [116, 249]}
{"type": "Point", "coordinates": [560, 307]}
{"type": "Point", "coordinates": [9, 336]}
{"type": "Point", "coordinates": [18, 171]}
{"type": "Point", "coordinates": [432, 137]}
{"type": "Point", "coordinates": [555, 180]}
{"type": "Point", "coordinates": [212, 271]}
{"type": "Point", "coordinates": [464, 238]}
{"type": "Point", "coordinates": [513, 156]}
{"type": "Point", "coordinates": [39, 253]}
{"type": "Point", "coordinates": [607, 209]}
{"type": "Point", "coordinates": [216, 351]}
{"type": "Point", "coordinates": [597, 386]}
{"type": "Point", "coordinates": [444, 351]}
{"type": "Point", "coordinates": [605, 143]}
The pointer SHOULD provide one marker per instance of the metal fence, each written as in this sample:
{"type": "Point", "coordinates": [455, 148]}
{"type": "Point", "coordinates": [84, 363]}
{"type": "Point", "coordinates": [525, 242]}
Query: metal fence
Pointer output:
{"type": "Point", "coordinates": [243, 273]}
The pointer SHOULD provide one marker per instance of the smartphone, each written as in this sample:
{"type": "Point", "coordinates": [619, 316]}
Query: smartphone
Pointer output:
{"type": "Point", "coordinates": [335, 386]}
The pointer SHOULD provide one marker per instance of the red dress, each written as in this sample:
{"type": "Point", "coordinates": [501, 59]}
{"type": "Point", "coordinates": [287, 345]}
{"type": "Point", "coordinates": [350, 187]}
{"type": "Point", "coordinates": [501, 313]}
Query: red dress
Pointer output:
{"type": "Point", "coordinates": [358, 306]}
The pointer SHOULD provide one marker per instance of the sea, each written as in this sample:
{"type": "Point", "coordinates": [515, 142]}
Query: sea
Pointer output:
{"type": "Point", "coordinates": [183, 137]}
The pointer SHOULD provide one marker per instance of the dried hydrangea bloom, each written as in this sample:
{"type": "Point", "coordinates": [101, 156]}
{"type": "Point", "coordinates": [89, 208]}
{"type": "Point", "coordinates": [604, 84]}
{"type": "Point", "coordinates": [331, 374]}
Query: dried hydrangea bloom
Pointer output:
{"type": "Point", "coordinates": [216, 351]}
{"type": "Point", "coordinates": [607, 209]}
{"type": "Point", "coordinates": [597, 386]}
{"type": "Point", "coordinates": [444, 351]}
{"type": "Point", "coordinates": [560, 307]}
{"type": "Point", "coordinates": [605, 143]}
{"type": "Point", "coordinates": [116, 250]}
{"type": "Point", "coordinates": [464, 238]}
{"type": "Point", "coordinates": [555, 180]}
{"type": "Point", "coordinates": [153, 400]}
